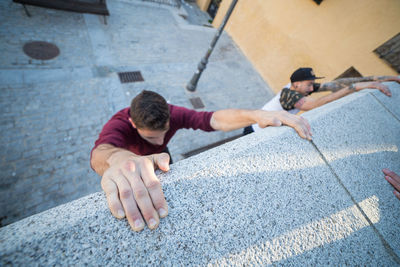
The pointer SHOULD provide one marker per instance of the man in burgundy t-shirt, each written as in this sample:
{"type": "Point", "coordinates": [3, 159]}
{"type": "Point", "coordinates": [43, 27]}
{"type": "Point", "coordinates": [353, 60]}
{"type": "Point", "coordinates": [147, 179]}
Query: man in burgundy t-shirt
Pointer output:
{"type": "Point", "coordinates": [119, 132]}
{"type": "Point", "coordinates": [131, 143]}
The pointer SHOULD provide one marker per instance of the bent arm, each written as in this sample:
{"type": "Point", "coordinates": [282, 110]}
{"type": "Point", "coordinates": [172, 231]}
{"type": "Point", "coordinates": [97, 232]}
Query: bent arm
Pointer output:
{"type": "Point", "coordinates": [307, 103]}
{"type": "Point", "coordinates": [231, 119]}
{"type": "Point", "coordinates": [106, 155]}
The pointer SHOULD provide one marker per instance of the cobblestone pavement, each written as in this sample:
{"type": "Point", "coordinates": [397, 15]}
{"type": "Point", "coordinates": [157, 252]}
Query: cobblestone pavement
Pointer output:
{"type": "Point", "coordinates": [52, 111]}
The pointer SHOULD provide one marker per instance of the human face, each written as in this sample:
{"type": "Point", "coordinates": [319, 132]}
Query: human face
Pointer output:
{"type": "Point", "coordinates": [304, 87]}
{"type": "Point", "coordinates": [155, 137]}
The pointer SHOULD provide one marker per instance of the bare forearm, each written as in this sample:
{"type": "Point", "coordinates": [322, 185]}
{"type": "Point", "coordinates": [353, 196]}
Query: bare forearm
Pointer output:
{"type": "Point", "coordinates": [232, 119]}
{"type": "Point", "coordinates": [339, 84]}
{"type": "Point", "coordinates": [336, 95]}
{"type": "Point", "coordinates": [308, 103]}
{"type": "Point", "coordinates": [105, 155]}
{"type": "Point", "coordinates": [386, 78]}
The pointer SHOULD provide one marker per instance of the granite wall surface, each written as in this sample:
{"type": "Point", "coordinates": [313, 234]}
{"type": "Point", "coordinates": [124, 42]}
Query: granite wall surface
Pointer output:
{"type": "Point", "coordinates": [266, 198]}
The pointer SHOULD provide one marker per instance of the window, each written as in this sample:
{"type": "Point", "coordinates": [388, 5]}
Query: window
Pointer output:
{"type": "Point", "coordinates": [390, 52]}
{"type": "Point", "coordinates": [349, 73]}
{"type": "Point", "coordinates": [213, 8]}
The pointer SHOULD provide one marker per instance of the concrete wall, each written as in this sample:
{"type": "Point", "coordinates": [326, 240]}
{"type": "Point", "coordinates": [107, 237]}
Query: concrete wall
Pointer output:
{"type": "Point", "coordinates": [330, 37]}
{"type": "Point", "coordinates": [266, 198]}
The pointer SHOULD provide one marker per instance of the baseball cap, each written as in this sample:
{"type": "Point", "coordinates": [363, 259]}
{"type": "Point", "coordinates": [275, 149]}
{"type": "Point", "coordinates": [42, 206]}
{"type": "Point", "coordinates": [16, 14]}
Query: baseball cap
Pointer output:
{"type": "Point", "coordinates": [303, 74]}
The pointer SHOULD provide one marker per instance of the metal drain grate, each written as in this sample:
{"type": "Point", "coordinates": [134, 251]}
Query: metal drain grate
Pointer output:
{"type": "Point", "coordinates": [130, 77]}
{"type": "Point", "coordinates": [196, 102]}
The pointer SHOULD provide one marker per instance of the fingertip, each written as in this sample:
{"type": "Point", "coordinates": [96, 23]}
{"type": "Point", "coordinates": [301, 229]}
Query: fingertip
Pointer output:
{"type": "Point", "coordinates": [120, 214]}
{"type": "Point", "coordinates": [164, 166]}
{"type": "Point", "coordinates": [138, 225]}
{"type": "Point", "coordinates": [152, 224]}
{"type": "Point", "coordinates": [162, 212]}
{"type": "Point", "coordinates": [162, 161]}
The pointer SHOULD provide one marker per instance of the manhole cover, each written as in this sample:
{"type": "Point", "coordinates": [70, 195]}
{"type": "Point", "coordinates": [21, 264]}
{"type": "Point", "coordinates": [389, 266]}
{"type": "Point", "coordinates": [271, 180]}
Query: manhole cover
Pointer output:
{"type": "Point", "coordinates": [41, 50]}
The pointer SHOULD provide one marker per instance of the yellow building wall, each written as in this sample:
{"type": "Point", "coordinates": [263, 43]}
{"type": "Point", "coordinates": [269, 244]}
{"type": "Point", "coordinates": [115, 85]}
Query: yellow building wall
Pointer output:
{"type": "Point", "coordinates": [203, 4]}
{"type": "Point", "coordinates": [278, 36]}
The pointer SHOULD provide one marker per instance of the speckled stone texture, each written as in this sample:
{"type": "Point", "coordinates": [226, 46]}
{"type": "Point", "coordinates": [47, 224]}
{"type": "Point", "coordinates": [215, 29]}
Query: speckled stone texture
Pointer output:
{"type": "Point", "coordinates": [266, 198]}
{"type": "Point", "coordinates": [390, 103]}
{"type": "Point", "coordinates": [358, 141]}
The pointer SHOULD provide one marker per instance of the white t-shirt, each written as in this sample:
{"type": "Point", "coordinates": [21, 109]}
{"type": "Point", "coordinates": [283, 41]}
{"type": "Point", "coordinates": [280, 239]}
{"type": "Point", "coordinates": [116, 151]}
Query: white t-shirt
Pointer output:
{"type": "Point", "coordinates": [275, 105]}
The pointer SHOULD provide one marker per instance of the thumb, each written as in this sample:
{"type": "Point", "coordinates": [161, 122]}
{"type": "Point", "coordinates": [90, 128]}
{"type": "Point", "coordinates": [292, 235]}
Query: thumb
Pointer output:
{"type": "Point", "coordinates": [162, 161]}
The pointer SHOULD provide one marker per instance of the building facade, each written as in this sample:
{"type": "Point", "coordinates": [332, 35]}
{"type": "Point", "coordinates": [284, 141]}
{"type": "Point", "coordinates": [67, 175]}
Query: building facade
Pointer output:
{"type": "Point", "coordinates": [338, 37]}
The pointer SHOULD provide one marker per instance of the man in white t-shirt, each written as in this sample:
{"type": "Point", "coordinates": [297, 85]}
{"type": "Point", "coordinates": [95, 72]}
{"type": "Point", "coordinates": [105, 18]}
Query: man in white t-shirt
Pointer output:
{"type": "Point", "coordinates": [294, 97]}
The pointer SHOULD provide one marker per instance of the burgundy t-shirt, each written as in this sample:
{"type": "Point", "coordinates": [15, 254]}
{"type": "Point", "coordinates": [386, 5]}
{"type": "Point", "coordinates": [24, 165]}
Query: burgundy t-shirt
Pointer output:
{"type": "Point", "coordinates": [119, 132]}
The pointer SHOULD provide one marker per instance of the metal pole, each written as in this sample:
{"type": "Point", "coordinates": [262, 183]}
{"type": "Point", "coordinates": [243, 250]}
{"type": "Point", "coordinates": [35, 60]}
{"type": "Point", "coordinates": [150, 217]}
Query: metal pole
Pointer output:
{"type": "Point", "coordinates": [203, 63]}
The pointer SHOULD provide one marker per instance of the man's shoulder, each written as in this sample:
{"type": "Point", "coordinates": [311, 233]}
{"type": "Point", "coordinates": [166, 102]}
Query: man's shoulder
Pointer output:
{"type": "Point", "coordinates": [177, 111]}
{"type": "Point", "coordinates": [285, 91]}
{"type": "Point", "coordinates": [289, 98]}
{"type": "Point", "coordinates": [121, 118]}
{"type": "Point", "coordinates": [123, 113]}
{"type": "Point", "coordinates": [287, 94]}
{"type": "Point", "coordinates": [175, 108]}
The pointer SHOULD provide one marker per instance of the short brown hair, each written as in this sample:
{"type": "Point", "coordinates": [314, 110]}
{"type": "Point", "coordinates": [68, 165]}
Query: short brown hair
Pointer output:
{"type": "Point", "coordinates": [149, 110]}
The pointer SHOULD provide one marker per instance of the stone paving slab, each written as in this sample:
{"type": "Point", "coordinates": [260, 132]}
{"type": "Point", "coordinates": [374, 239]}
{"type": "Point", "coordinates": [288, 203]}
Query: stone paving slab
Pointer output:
{"type": "Point", "coordinates": [47, 133]}
{"type": "Point", "coordinates": [266, 198]}
{"type": "Point", "coordinates": [19, 77]}
{"type": "Point", "coordinates": [195, 15]}
{"type": "Point", "coordinates": [391, 103]}
{"type": "Point", "coordinates": [359, 139]}
{"type": "Point", "coordinates": [175, 3]}
{"type": "Point", "coordinates": [156, 37]}
{"type": "Point", "coordinates": [65, 29]}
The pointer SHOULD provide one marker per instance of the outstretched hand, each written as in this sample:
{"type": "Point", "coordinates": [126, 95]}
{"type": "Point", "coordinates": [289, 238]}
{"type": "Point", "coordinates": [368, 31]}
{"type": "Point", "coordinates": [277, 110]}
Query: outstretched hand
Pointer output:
{"type": "Point", "coordinates": [134, 191]}
{"type": "Point", "coordinates": [374, 85]}
{"type": "Point", "coordinates": [394, 180]}
{"type": "Point", "coordinates": [277, 118]}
